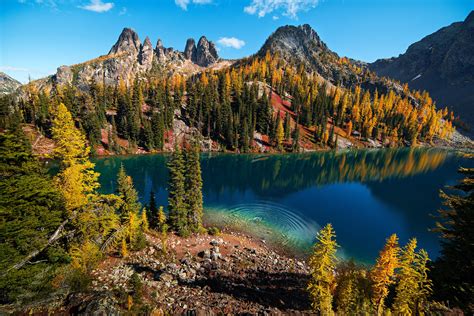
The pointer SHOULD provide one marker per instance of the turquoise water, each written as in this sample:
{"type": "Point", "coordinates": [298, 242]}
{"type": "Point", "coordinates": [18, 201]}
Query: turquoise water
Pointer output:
{"type": "Point", "coordinates": [366, 194]}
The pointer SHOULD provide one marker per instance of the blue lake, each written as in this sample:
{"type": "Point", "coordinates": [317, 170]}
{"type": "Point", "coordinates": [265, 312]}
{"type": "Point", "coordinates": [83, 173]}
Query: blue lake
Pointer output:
{"type": "Point", "coordinates": [366, 194]}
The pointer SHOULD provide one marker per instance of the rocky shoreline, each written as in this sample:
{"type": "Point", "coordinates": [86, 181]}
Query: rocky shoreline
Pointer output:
{"type": "Point", "coordinates": [201, 275]}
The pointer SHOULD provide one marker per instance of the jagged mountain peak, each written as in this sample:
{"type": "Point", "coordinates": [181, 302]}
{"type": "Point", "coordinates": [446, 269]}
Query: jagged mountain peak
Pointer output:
{"type": "Point", "coordinates": [147, 42]}
{"type": "Point", "coordinates": [159, 43]}
{"type": "Point", "coordinates": [130, 57]}
{"type": "Point", "coordinates": [293, 39]}
{"type": "Point", "coordinates": [203, 40]}
{"type": "Point", "coordinates": [311, 33]}
{"type": "Point", "coordinates": [190, 49]}
{"type": "Point", "coordinates": [128, 41]}
{"type": "Point", "coordinates": [146, 53]}
{"type": "Point", "coordinates": [202, 54]}
{"type": "Point", "coordinates": [206, 52]}
{"type": "Point", "coordinates": [302, 45]}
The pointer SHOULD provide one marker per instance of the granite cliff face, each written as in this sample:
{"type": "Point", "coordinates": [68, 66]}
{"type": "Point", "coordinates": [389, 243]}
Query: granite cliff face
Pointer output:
{"type": "Point", "coordinates": [441, 63]}
{"type": "Point", "coordinates": [8, 84]}
{"type": "Point", "coordinates": [129, 57]}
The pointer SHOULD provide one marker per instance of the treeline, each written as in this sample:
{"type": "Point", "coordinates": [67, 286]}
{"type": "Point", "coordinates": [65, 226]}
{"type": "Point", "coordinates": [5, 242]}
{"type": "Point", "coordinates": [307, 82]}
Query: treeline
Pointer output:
{"type": "Point", "coordinates": [231, 105]}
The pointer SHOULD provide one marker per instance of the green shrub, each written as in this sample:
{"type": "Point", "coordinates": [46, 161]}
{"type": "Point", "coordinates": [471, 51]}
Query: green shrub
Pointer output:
{"type": "Point", "coordinates": [140, 242]}
{"type": "Point", "coordinates": [78, 281]}
{"type": "Point", "coordinates": [136, 286]}
{"type": "Point", "coordinates": [213, 231]}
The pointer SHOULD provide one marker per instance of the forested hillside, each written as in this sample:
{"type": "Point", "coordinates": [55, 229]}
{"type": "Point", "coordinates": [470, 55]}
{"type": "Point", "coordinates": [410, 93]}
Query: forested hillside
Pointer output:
{"type": "Point", "coordinates": [267, 102]}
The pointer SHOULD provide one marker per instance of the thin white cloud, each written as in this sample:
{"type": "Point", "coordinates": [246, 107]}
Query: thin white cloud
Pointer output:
{"type": "Point", "coordinates": [290, 8]}
{"type": "Point", "coordinates": [12, 68]}
{"type": "Point", "coordinates": [183, 4]}
{"type": "Point", "coordinates": [231, 42]}
{"type": "Point", "coordinates": [123, 11]}
{"type": "Point", "coordinates": [98, 6]}
{"type": "Point", "coordinates": [47, 3]}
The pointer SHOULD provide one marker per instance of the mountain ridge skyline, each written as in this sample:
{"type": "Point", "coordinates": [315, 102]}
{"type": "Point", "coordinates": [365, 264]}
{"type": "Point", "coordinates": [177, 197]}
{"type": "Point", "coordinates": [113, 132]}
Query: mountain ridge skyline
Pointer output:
{"type": "Point", "coordinates": [73, 32]}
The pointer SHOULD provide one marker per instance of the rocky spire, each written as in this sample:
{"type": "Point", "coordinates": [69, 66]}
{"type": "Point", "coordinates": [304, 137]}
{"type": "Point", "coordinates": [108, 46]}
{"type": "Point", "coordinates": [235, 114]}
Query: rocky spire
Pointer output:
{"type": "Point", "coordinates": [159, 44]}
{"type": "Point", "coordinates": [206, 53]}
{"type": "Point", "coordinates": [190, 49]}
{"type": "Point", "coordinates": [145, 57]}
{"type": "Point", "coordinates": [128, 42]}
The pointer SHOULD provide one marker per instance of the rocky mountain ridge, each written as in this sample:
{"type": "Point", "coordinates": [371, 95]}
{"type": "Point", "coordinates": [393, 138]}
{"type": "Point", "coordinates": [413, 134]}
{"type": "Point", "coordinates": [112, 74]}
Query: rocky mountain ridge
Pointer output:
{"type": "Point", "coordinates": [302, 45]}
{"type": "Point", "coordinates": [129, 57]}
{"type": "Point", "coordinates": [441, 63]}
{"type": "Point", "coordinates": [8, 84]}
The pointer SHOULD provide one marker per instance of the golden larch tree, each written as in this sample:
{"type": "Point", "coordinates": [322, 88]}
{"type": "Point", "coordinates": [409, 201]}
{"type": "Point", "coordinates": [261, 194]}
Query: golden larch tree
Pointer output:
{"type": "Point", "coordinates": [383, 273]}
{"type": "Point", "coordinates": [77, 179]}
{"type": "Point", "coordinates": [322, 265]}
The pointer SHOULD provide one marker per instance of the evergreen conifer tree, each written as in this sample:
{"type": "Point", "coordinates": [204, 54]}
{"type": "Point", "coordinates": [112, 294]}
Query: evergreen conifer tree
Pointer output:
{"type": "Point", "coordinates": [153, 211]}
{"type": "Point", "coordinates": [455, 225]}
{"type": "Point", "coordinates": [31, 209]}
{"type": "Point", "coordinates": [287, 126]}
{"type": "Point", "coordinates": [194, 189]}
{"type": "Point", "coordinates": [176, 193]}
{"type": "Point", "coordinates": [128, 194]}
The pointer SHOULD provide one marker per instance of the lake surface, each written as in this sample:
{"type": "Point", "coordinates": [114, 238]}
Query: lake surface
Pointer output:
{"type": "Point", "coordinates": [366, 194]}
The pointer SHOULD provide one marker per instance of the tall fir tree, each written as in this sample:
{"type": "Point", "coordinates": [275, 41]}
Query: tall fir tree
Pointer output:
{"type": "Point", "coordinates": [455, 226]}
{"type": "Point", "coordinates": [176, 193]}
{"type": "Point", "coordinates": [31, 210]}
{"type": "Point", "coordinates": [158, 129]}
{"type": "Point", "coordinates": [194, 188]}
{"type": "Point", "coordinates": [287, 126]}
{"type": "Point", "coordinates": [128, 194]}
{"type": "Point", "coordinates": [153, 211]}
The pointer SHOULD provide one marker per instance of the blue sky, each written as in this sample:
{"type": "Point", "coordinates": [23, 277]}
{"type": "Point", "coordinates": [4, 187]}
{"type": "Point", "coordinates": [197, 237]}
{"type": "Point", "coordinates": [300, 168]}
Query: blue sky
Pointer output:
{"type": "Point", "coordinates": [37, 36]}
